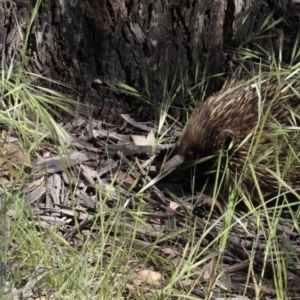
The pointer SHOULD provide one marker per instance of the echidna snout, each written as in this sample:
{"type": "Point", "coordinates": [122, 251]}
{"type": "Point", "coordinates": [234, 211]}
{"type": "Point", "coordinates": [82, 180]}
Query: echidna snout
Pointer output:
{"type": "Point", "coordinates": [172, 164]}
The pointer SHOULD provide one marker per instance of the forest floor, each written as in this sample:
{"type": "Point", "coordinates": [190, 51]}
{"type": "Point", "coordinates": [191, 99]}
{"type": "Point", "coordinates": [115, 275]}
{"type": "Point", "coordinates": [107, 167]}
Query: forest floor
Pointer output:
{"type": "Point", "coordinates": [102, 223]}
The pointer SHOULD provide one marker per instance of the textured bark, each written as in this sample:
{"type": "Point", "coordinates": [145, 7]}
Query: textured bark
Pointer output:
{"type": "Point", "coordinates": [89, 44]}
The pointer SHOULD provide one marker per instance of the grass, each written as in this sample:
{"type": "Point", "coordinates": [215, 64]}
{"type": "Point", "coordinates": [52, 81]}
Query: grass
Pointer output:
{"type": "Point", "coordinates": [128, 240]}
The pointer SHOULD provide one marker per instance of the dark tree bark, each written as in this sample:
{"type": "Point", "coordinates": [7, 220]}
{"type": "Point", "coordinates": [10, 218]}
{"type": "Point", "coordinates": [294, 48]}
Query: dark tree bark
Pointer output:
{"type": "Point", "coordinates": [89, 44]}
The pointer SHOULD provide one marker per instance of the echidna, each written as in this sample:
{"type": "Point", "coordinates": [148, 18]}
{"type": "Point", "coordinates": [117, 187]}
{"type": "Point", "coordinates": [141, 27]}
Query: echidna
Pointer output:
{"type": "Point", "coordinates": [251, 123]}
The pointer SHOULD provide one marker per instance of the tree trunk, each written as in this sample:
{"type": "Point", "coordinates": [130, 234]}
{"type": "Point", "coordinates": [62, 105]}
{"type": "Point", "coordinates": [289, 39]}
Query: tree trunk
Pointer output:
{"type": "Point", "coordinates": [88, 45]}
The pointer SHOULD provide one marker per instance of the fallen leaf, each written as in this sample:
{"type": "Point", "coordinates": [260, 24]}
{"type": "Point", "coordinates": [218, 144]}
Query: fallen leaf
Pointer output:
{"type": "Point", "coordinates": [141, 140]}
{"type": "Point", "coordinates": [151, 138]}
{"type": "Point", "coordinates": [173, 205]}
{"type": "Point", "coordinates": [127, 179]}
{"type": "Point", "coordinates": [148, 276]}
{"type": "Point", "coordinates": [11, 156]}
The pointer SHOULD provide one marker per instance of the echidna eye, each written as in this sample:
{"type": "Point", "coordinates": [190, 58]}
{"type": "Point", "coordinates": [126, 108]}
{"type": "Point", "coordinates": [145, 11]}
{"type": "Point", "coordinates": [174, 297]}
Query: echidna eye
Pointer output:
{"type": "Point", "coordinates": [191, 152]}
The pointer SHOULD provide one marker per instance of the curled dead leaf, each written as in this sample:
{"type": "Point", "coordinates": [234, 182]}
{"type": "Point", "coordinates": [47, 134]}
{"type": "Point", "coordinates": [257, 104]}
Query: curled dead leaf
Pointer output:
{"type": "Point", "coordinates": [173, 205]}
{"type": "Point", "coordinates": [11, 156]}
{"type": "Point", "coordinates": [141, 140]}
{"type": "Point", "coordinates": [150, 277]}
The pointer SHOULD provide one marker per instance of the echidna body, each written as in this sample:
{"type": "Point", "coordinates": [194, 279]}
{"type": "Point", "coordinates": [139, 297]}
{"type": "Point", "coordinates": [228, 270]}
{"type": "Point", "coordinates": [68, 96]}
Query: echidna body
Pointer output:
{"type": "Point", "coordinates": [256, 124]}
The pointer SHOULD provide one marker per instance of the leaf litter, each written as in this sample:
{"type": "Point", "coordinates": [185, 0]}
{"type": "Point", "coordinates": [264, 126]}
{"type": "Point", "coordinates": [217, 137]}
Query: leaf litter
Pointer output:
{"type": "Point", "coordinates": [64, 193]}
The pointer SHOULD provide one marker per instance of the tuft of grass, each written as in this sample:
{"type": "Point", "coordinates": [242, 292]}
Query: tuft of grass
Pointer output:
{"type": "Point", "coordinates": [27, 118]}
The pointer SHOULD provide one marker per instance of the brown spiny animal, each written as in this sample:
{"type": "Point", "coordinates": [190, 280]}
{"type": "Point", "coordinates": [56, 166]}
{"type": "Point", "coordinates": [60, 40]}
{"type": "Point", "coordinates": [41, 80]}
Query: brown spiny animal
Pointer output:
{"type": "Point", "coordinates": [249, 123]}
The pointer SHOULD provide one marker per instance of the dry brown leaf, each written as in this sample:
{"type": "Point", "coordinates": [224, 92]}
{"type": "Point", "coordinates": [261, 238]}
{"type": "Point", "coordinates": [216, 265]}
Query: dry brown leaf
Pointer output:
{"type": "Point", "coordinates": [150, 277]}
{"type": "Point", "coordinates": [171, 252]}
{"type": "Point", "coordinates": [141, 140]}
{"type": "Point", "coordinates": [128, 180]}
{"type": "Point", "coordinates": [151, 138]}
{"type": "Point", "coordinates": [47, 154]}
{"type": "Point", "coordinates": [11, 156]}
{"type": "Point", "coordinates": [173, 205]}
